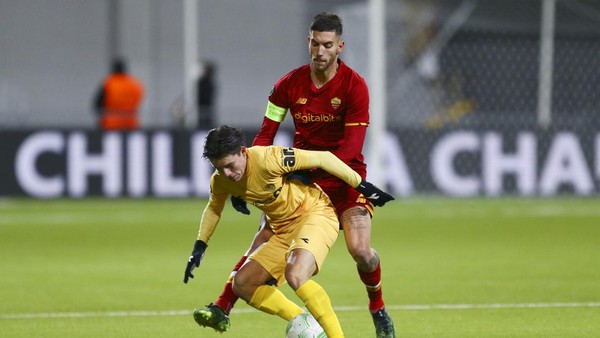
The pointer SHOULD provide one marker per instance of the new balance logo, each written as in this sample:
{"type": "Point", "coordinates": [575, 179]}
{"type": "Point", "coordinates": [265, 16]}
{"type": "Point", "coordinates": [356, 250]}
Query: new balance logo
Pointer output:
{"type": "Point", "coordinates": [305, 240]}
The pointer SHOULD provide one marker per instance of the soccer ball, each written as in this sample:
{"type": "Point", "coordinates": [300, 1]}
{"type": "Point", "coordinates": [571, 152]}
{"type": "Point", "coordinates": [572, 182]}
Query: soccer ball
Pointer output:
{"type": "Point", "coordinates": [304, 325]}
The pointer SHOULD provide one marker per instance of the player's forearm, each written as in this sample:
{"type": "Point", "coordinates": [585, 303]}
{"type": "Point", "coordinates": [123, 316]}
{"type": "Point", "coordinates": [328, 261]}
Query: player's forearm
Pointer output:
{"type": "Point", "coordinates": [266, 134]}
{"type": "Point", "coordinates": [208, 224]}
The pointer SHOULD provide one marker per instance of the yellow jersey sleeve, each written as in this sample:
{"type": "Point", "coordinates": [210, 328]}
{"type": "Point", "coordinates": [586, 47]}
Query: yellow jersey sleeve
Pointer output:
{"type": "Point", "coordinates": [212, 211]}
{"type": "Point", "coordinates": [292, 159]}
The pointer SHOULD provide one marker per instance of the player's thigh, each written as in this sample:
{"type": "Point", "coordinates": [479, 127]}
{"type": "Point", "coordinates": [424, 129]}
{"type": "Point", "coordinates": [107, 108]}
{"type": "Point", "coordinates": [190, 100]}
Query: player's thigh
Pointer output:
{"type": "Point", "coordinates": [271, 256]}
{"type": "Point", "coordinates": [316, 233]}
{"type": "Point", "coordinates": [356, 222]}
{"type": "Point", "coordinates": [251, 273]}
{"type": "Point", "coordinates": [301, 265]}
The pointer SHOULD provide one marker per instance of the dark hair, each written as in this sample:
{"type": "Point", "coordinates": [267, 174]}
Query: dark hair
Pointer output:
{"type": "Point", "coordinates": [119, 65]}
{"type": "Point", "coordinates": [327, 22]}
{"type": "Point", "coordinates": [223, 141]}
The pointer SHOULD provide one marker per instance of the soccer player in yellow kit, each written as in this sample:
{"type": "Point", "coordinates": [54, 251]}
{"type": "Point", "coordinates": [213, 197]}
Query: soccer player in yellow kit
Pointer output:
{"type": "Point", "coordinates": [301, 216]}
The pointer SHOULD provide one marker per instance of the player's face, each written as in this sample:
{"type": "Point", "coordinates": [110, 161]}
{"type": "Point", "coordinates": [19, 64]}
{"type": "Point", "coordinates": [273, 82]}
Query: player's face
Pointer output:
{"type": "Point", "coordinates": [324, 48]}
{"type": "Point", "coordinates": [232, 166]}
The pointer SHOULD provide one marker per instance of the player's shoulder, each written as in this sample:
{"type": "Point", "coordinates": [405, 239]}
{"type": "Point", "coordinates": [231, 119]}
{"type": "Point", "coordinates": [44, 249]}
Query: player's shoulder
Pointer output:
{"type": "Point", "coordinates": [265, 158]}
{"type": "Point", "coordinates": [260, 152]}
{"type": "Point", "coordinates": [216, 179]}
{"type": "Point", "coordinates": [355, 84]}
{"type": "Point", "coordinates": [256, 150]}
{"type": "Point", "coordinates": [350, 73]}
{"type": "Point", "coordinates": [301, 71]}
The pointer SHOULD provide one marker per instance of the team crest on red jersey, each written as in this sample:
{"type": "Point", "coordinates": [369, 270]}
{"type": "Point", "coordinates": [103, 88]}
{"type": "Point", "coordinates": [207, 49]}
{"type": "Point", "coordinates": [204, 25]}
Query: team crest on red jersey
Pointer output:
{"type": "Point", "coordinates": [335, 102]}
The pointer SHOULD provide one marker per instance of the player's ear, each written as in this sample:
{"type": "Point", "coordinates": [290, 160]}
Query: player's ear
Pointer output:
{"type": "Point", "coordinates": [340, 47]}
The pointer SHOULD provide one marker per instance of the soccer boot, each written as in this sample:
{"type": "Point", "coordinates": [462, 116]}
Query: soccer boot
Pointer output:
{"type": "Point", "coordinates": [212, 316]}
{"type": "Point", "coordinates": [384, 326]}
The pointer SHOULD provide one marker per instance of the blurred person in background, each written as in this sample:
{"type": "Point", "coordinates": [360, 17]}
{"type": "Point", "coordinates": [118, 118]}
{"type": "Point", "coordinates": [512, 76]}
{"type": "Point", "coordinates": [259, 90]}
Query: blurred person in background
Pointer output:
{"type": "Point", "coordinates": [329, 103]}
{"type": "Point", "coordinates": [207, 90]}
{"type": "Point", "coordinates": [118, 99]}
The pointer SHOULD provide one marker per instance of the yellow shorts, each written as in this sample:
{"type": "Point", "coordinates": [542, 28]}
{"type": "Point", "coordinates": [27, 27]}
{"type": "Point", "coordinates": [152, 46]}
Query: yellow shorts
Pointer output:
{"type": "Point", "coordinates": [315, 231]}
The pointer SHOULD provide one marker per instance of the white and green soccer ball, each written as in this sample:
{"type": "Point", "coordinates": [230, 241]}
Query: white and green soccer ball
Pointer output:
{"type": "Point", "coordinates": [304, 325]}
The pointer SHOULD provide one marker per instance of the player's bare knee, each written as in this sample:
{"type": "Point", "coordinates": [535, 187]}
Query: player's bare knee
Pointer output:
{"type": "Point", "coordinates": [365, 257]}
{"type": "Point", "coordinates": [294, 278]}
{"type": "Point", "coordinates": [361, 254]}
{"type": "Point", "coordinates": [243, 287]}
{"type": "Point", "coordinates": [238, 288]}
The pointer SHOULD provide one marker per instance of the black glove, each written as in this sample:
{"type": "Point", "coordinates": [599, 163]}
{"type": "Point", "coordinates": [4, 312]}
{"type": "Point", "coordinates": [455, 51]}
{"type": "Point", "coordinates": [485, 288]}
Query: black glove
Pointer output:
{"type": "Point", "coordinates": [240, 205]}
{"type": "Point", "coordinates": [377, 196]}
{"type": "Point", "coordinates": [195, 258]}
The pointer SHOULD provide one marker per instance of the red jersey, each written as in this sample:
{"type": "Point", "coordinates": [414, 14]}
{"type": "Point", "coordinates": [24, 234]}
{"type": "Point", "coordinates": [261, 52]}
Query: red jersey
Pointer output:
{"type": "Point", "coordinates": [333, 117]}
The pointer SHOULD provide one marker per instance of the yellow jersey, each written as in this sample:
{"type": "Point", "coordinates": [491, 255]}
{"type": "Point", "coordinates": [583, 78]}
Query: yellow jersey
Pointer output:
{"type": "Point", "coordinates": [265, 186]}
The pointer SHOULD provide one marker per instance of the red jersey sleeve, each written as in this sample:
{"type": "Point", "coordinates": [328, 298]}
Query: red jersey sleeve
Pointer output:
{"type": "Point", "coordinates": [266, 134]}
{"type": "Point", "coordinates": [277, 107]}
{"type": "Point", "coordinates": [351, 148]}
{"type": "Point", "coordinates": [358, 106]}
{"type": "Point", "coordinates": [356, 121]}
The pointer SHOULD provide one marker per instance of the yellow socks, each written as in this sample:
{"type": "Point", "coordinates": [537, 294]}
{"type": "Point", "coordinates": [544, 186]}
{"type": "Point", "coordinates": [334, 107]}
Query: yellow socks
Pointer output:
{"type": "Point", "coordinates": [268, 299]}
{"type": "Point", "coordinates": [317, 301]}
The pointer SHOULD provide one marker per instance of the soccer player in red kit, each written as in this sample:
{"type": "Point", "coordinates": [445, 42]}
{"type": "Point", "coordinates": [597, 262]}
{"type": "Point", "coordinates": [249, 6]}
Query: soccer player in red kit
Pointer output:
{"type": "Point", "coordinates": [329, 103]}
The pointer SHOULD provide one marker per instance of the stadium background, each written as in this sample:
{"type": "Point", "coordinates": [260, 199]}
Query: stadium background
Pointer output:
{"type": "Point", "coordinates": [474, 104]}
{"type": "Point", "coordinates": [462, 119]}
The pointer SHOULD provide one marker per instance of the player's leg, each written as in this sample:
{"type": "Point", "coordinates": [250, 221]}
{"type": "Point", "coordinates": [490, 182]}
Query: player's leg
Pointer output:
{"type": "Point", "coordinates": [301, 266]}
{"type": "Point", "coordinates": [356, 222]}
{"type": "Point", "coordinates": [227, 298]}
{"type": "Point", "coordinates": [316, 232]}
{"type": "Point", "coordinates": [354, 212]}
{"type": "Point", "coordinates": [249, 284]}
{"type": "Point", "coordinates": [216, 315]}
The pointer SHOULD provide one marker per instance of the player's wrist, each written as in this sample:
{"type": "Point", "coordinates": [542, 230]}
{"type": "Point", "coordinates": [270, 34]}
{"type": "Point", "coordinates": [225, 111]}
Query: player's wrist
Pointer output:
{"type": "Point", "coordinates": [200, 245]}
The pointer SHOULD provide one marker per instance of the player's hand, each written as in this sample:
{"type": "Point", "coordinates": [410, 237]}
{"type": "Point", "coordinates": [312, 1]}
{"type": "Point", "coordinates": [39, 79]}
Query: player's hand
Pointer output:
{"type": "Point", "coordinates": [240, 205]}
{"type": "Point", "coordinates": [195, 258]}
{"type": "Point", "coordinates": [377, 196]}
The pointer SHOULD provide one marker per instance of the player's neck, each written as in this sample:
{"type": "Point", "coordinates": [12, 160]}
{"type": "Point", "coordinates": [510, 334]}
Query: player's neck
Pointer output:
{"type": "Point", "coordinates": [321, 78]}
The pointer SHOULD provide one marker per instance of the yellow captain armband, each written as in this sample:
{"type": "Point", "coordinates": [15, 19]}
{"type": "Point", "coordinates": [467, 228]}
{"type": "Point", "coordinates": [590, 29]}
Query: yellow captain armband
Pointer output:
{"type": "Point", "coordinates": [275, 113]}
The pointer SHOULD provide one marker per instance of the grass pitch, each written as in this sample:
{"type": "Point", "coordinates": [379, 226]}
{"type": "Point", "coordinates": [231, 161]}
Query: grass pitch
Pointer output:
{"type": "Point", "coordinates": [451, 268]}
